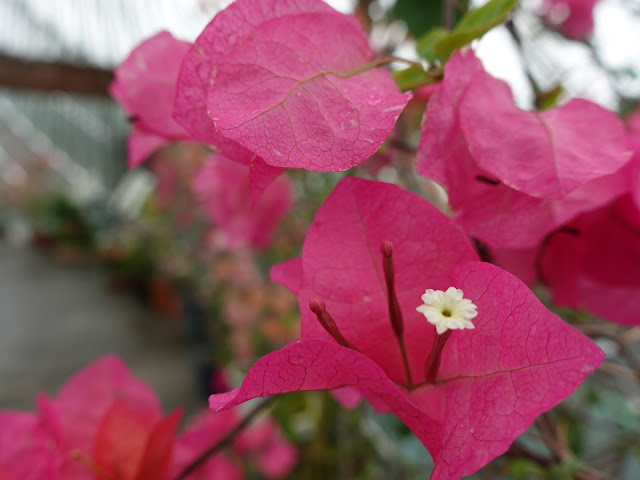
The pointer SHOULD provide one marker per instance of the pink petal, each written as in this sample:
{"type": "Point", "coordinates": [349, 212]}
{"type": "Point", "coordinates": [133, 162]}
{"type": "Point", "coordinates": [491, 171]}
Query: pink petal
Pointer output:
{"type": "Point", "coordinates": [633, 122]}
{"type": "Point", "coordinates": [226, 29]}
{"type": "Point", "coordinates": [279, 93]}
{"type": "Point", "coordinates": [574, 17]}
{"type": "Point", "coordinates": [88, 395]}
{"type": "Point", "coordinates": [598, 268]}
{"type": "Point", "coordinates": [121, 440]}
{"type": "Point", "coordinates": [543, 154]}
{"type": "Point", "coordinates": [506, 218]}
{"type": "Point", "coordinates": [261, 176]}
{"type": "Point", "coordinates": [225, 188]}
{"type": "Point", "coordinates": [145, 84]}
{"type": "Point", "coordinates": [255, 438]}
{"type": "Point", "coordinates": [351, 397]}
{"type": "Point", "coordinates": [443, 153]}
{"type": "Point", "coordinates": [348, 397]}
{"type": "Point", "coordinates": [288, 273]}
{"type": "Point", "coordinates": [320, 365]}
{"type": "Point", "coordinates": [521, 263]}
{"type": "Point", "coordinates": [519, 361]}
{"type": "Point", "coordinates": [159, 448]}
{"type": "Point", "coordinates": [633, 170]}
{"type": "Point", "coordinates": [342, 264]}
{"type": "Point", "coordinates": [249, 26]}
{"type": "Point", "coordinates": [141, 144]}
{"type": "Point", "coordinates": [277, 460]}
{"type": "Point", "coordinates": [27, 449]}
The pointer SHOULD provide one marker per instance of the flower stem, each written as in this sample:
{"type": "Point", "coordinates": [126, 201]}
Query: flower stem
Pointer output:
{"type": "Point", "coordinates": [432, 364]}
{"type": "Point", "coordinates": [405, 362]}
{"type": "Point", "coordinates": [219, 445]}
{"type": "Point", "coordinates": [395, 313]}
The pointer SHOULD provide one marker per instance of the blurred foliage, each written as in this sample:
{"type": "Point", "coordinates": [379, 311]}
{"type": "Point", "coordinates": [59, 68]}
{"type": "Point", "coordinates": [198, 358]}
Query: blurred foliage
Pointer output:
{"type": "Point", "coordinates": [56, 219]}
{"type": "Point", "coordinates": [420, 16]}
{"type": "Point", "coordinates": [439, 44]}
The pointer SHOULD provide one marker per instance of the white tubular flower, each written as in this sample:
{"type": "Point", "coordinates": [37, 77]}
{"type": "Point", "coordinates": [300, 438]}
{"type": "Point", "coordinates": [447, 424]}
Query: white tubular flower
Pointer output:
{"type": "Point", "coordinates": [448, 310]}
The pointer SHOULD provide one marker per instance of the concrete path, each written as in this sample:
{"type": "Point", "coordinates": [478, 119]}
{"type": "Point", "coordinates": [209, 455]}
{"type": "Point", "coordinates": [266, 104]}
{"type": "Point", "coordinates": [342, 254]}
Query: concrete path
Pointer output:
{"type": "Point", "coordinates": [56, 318]}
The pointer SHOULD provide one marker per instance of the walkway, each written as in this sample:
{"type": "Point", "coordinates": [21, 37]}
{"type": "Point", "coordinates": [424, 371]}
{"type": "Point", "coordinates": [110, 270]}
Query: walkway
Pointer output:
{"type": "Point", "coordinates": [56, 318]}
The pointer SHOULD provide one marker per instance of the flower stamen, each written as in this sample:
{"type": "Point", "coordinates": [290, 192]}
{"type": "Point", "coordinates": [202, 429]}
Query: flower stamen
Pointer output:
{"type": "Point", "coordinates": [447, 311]}
{"type": "Point", "coordinates": [318, 307]}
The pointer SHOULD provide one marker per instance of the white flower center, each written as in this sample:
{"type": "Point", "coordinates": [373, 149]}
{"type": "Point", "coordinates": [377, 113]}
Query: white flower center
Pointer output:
{"type": "Point", "coordinates": [448, 310]}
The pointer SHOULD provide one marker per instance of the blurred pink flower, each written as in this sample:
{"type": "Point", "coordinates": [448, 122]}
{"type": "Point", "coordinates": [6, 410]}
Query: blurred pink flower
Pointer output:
{"type": "Point", "coordinates": [145, 86]}
{"type": "Point", "coordinates": [106, 424]}
{"type": "Point", "coordinates": [573, 18]}
{"type": "Point", "coordinates": [225, 190]}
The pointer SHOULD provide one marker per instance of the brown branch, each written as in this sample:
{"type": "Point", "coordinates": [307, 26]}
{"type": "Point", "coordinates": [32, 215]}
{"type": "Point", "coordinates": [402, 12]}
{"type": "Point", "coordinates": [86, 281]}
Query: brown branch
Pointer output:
{"type": "Point", "coordinates": [56, 76]}
{"type": "Point", "coordinates": [519, 450]}
{"type": "Point", "coordinates": [219, 445]}
{"type": "Point", "coordinates": [554, 437]}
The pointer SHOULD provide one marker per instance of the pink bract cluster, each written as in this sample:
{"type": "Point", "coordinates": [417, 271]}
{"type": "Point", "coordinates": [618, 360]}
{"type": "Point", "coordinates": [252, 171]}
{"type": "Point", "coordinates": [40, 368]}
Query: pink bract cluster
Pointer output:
{"type": "Point", "coordinates": [513, 176]}
{"type": "Point", "coordinates": [264, 82]}
{"type": "Point", "coordinates": [106, 424]}
{"type": "Point", "coordinates": [553, 195]}
{"type": "Point", "coordinates": [270, 86]}
{"type": "Point", "coordinates": [519, 361]}
{"type": "Point", "coordinates": [145, 85]}
{"type": "Point", "coordinates": [533, 186]}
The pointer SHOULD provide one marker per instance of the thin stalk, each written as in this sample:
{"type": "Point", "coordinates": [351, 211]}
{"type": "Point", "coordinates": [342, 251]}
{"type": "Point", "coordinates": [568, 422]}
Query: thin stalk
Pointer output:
{"type": "Point", "coordinates": [216, 447]}
{"type": "Point", "coordinates": [395, 313]}
{"type": "Point", "coordinates": [405, 363]}
{"type": "Point", "coordinates": [378, 62]}
{"type": "Point", "coordinates": [448, 11]}
{"type": "Point", "coordinates": [432, 364]}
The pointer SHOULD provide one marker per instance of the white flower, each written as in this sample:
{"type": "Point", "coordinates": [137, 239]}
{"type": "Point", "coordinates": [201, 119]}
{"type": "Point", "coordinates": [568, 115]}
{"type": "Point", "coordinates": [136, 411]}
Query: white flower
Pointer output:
{"type": "Point", "coordinates": [448, 310]}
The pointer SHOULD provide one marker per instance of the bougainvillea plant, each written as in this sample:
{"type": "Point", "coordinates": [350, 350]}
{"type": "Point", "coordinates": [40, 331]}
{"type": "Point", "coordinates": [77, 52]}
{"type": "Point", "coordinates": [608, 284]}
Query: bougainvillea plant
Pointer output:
{"type": "Point", "coordinates": [387, 316]}
{"type": "Point", "coordinates": [402, 306]}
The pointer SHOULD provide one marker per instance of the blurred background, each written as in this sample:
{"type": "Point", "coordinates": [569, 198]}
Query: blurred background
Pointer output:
{"type": "Point", "coordinates": [98, 258]}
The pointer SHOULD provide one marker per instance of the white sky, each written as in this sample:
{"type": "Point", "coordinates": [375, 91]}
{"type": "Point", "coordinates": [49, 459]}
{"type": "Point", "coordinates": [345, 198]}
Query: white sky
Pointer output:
{"type": "Point", "coordinates": [102, 32]}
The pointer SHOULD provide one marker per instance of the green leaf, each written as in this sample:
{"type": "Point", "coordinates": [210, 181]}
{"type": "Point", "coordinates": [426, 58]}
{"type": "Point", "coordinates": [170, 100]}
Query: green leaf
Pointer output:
{"type": "Point", "coordinates": [474, 24]}
{"type": "Point", "coordinates": [426, 43]}
{"type": "Point", "coordinates": [523, 468]}
{"type": "Point", "coordinates": [411, 77]}
{"type": "Point", "coordinates": [419, 15]}
{"type": "Point", "coordinates": [548, 99]}
{"type": "Point", "coordinates": [565, 470]}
